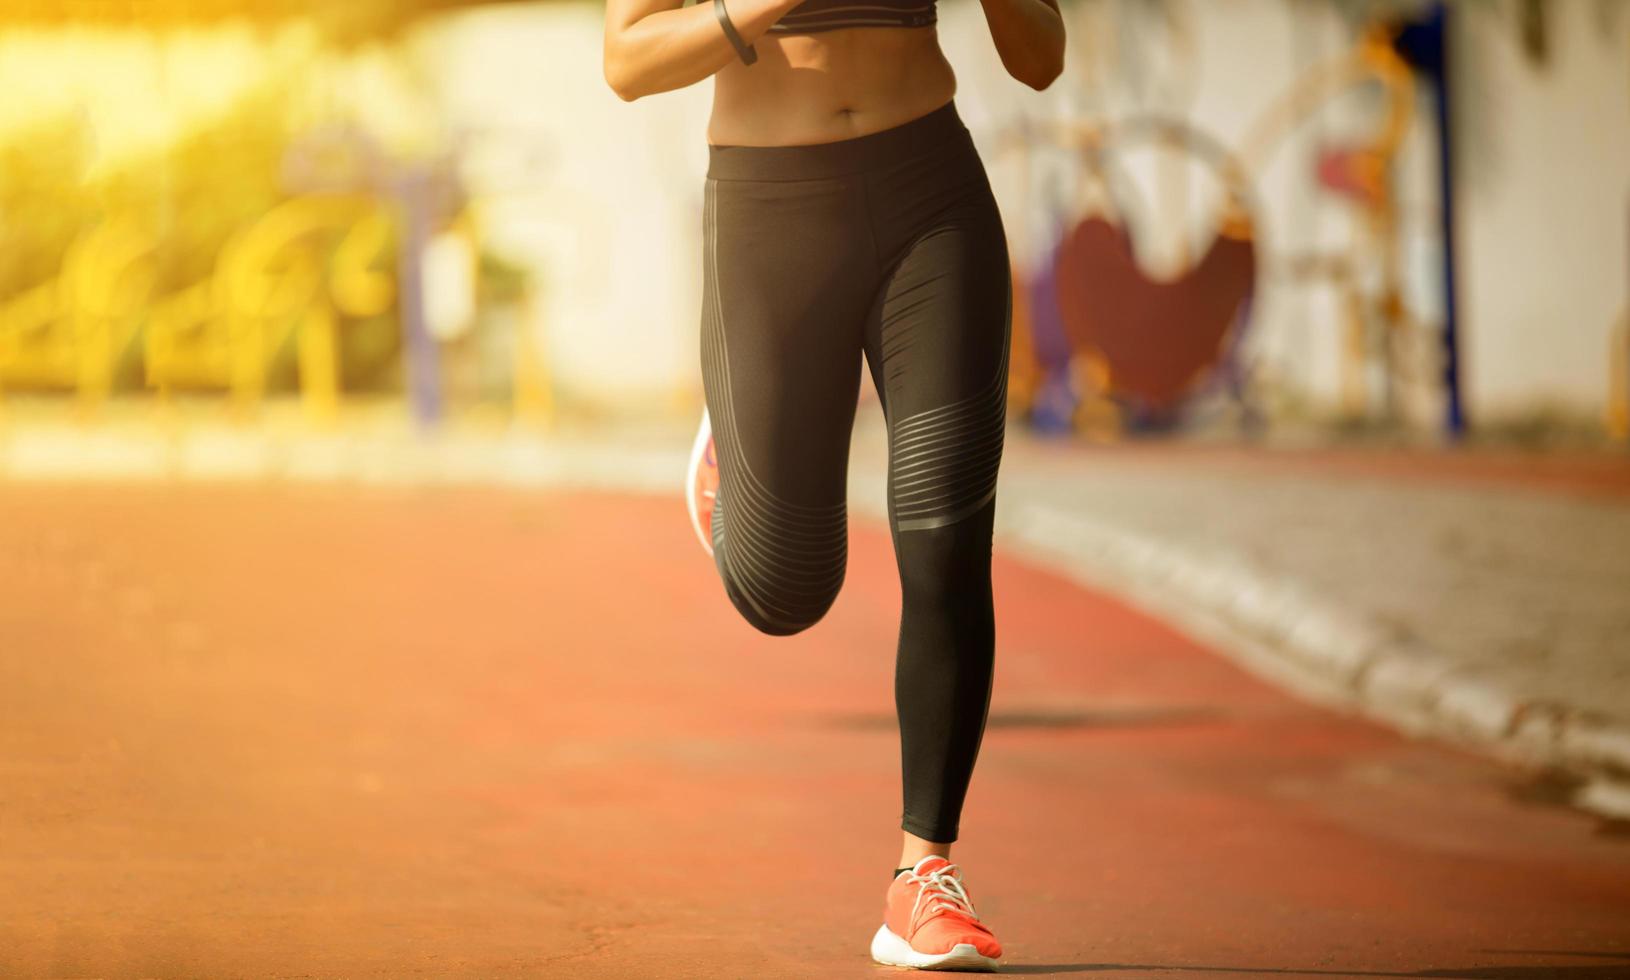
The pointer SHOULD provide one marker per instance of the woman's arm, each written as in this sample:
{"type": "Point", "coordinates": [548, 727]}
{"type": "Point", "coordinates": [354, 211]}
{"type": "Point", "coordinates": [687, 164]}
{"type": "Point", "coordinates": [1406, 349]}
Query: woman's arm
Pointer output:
{"type": "Point", "coordinates": [1029, 35]}
{"type": "Point", "coordinates": [657, 46]}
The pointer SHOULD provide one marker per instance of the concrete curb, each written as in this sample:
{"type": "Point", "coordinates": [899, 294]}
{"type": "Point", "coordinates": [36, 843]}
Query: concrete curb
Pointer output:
{"type": "Point", "coordinates": [1328, 653]}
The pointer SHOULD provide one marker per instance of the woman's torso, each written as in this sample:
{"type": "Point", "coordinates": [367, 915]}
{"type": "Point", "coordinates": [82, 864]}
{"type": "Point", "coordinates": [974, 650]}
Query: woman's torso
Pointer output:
{"type": "Point", "coordinates": [828, 86]}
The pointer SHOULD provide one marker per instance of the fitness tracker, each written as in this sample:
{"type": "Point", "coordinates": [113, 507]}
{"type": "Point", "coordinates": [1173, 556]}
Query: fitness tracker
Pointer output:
{"type": "Point", "coordinates": [748, 55]}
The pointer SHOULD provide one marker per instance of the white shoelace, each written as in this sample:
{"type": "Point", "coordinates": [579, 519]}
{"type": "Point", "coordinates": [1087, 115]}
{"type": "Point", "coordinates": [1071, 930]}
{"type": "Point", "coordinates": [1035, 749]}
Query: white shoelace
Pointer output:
{"type": "Point", "coordinates": [942, 890]}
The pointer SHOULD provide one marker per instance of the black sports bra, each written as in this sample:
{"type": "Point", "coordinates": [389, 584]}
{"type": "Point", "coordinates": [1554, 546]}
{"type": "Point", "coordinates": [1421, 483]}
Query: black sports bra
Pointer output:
{"type": "Point", "coordinates": [814, 16]}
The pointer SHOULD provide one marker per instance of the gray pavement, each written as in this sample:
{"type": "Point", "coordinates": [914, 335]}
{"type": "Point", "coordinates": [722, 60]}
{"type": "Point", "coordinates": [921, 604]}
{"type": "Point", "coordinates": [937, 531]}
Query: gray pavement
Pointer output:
{"type": "Point", "coordinates": [1483, 611]}
{"type": "Point", "coordinates": [1527, 591]}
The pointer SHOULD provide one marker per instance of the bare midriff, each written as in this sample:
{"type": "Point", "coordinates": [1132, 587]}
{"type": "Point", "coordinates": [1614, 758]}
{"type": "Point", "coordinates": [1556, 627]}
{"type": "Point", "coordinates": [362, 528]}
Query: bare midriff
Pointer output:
{"type": "Point", "coordinates": [835, 85]}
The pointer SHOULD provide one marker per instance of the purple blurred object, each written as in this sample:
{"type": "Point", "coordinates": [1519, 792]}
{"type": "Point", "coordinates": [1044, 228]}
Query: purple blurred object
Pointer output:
{"type": "Point", "coordinates": [1056, 398]}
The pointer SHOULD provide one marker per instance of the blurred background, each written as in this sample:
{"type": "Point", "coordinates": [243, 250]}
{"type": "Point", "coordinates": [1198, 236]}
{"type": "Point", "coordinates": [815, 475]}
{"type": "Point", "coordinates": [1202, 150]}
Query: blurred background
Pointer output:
{"type": "Point", "coordinates": [1293, 216]}
{"type": "Point", "coordinates": [351, 622]}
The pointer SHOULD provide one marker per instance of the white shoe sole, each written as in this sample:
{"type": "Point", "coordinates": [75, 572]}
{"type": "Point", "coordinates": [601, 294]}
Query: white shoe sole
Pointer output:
{"type": "Point", "coordinates": [703, 434]}
{"type": "Point", "coordinates": [891, 950]}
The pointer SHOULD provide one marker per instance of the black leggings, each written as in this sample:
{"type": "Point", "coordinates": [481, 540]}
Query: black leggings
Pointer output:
{"type": "Point", "coordinates": [888, 244]}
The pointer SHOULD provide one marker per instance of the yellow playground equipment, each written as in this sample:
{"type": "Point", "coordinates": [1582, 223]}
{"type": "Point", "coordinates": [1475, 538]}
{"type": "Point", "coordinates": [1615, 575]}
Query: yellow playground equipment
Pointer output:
{"type": "Point", "coordinates": [1364, 172]}
{"type": "Point", "coordinates": [298, 270]}
{"type": "Point", "coordinates": [296, 274]}
{"type": "Point", "coordinates": [72, 331]}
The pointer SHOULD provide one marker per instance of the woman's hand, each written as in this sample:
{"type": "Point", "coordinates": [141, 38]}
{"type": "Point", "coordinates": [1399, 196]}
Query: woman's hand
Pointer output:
{"type": "Point", "coordinates": [656, 46]}
{"type": "Point", "coordinates": [1029, 36]}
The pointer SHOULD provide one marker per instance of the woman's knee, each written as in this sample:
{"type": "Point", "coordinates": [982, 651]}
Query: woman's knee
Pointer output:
{"type": "Point", "coordinates": [781, 601]}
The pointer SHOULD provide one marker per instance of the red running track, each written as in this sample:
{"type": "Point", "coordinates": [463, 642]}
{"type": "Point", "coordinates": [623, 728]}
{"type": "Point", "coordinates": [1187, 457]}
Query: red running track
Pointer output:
{"type": "Point", "coordinates": [368, 732]}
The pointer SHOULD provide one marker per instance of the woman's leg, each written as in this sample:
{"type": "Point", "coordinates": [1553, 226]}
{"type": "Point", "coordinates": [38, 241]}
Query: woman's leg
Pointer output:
{"type": "Point", "coordinates": [937, 343]}
{"type": "Point", "coordinates": [890, 243]}
{"type": "Point", "coordinates": [786, 292]}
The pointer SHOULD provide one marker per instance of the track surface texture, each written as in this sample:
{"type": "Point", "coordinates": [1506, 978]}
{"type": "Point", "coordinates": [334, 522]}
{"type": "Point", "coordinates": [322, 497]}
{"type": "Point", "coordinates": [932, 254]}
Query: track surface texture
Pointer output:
{"type": "Point", "coordinates": [347, 731]}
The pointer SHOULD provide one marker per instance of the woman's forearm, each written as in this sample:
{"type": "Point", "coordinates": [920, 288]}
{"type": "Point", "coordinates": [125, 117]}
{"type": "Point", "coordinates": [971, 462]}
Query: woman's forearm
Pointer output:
{"type": "Point", "coordinates": [1029, 36]}
{"type": "Point", "coordinates": [670, 49]}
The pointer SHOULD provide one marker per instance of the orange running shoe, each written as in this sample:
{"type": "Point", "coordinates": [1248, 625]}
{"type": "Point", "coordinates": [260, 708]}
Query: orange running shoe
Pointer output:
{"type": "Point", "coordinates": [929, 923]}
{"type": "Point", "coordinates": [702, 484]}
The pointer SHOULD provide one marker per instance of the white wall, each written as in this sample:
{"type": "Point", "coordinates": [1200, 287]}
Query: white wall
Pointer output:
{"type": "Point", "coordinates": [601, 198]}
{"type": "Point", "coordinates": [1544, 168]}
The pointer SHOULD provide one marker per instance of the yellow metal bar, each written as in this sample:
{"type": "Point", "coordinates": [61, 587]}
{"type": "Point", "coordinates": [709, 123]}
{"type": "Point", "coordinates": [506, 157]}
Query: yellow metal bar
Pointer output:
{"type": "Point", "coordinates": [317, 347]}
{"type": "Point", "coordinates": [534, 397]}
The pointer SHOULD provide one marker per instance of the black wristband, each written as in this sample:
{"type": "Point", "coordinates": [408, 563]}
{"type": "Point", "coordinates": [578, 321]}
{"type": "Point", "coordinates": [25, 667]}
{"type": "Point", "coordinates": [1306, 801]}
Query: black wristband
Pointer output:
{"type": "Point", "coordinates": [748, 55]}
